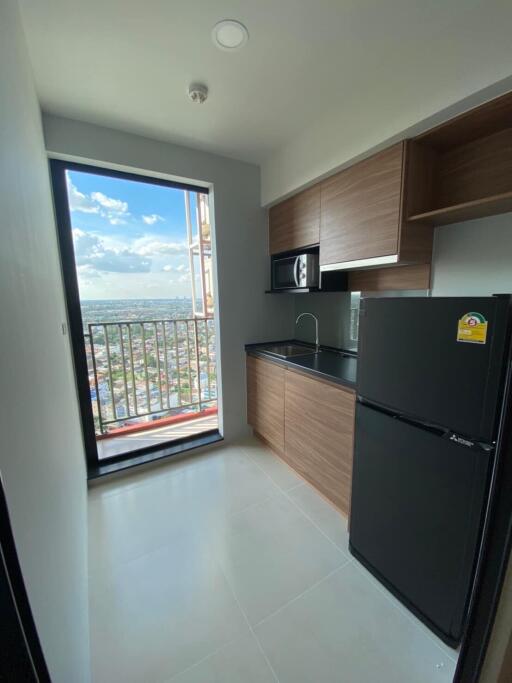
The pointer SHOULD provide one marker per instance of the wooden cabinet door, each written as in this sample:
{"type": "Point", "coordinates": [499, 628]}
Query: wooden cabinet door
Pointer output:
{"type": "Point", "coordinates": [361, 209]}
{"type": "Point", "coordinates": [319, 435]}
{"type": "Point", "coordinates": [265, 400]}
{"type": "Point", "coordinates": [295, 223]}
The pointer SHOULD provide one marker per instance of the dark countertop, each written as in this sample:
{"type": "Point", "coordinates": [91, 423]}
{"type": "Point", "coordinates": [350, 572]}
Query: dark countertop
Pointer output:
{"type": "Point", "coordinates": [337, 366]}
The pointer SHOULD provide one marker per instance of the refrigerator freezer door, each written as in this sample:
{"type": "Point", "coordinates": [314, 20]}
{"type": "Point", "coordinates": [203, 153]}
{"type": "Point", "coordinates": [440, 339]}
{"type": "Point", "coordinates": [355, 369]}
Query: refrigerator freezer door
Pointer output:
{"type": "Point", "coordinates": [417, 502]}
{"type": "Point", "coordinates": [410, 361]}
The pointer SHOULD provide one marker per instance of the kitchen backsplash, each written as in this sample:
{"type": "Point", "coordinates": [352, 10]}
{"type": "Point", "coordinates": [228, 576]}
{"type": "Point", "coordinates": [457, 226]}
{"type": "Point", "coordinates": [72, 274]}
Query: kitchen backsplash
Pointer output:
{"type": "Point", "coordinates": [337, 313]}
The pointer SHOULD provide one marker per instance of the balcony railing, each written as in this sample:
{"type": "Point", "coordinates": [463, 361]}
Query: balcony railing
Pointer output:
{"type": "Point", "coordinates": [150, 369]}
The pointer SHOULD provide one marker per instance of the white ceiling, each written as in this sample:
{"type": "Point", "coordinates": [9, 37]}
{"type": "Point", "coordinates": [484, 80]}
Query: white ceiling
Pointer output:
{"type": "Point", "coordinates": [127, 63]}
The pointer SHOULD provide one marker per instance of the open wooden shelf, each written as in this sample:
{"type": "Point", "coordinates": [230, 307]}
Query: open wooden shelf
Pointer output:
{"type": "Point", "coordinates": [466, 211]}
{"type": "Point", "coordinates": [463, 169]}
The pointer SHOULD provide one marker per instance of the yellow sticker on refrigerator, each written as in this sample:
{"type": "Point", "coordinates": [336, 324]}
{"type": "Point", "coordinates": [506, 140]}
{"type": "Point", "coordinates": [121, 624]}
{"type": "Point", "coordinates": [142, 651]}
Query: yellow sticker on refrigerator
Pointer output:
{"type": "Point", "coordinates": [472, 328]}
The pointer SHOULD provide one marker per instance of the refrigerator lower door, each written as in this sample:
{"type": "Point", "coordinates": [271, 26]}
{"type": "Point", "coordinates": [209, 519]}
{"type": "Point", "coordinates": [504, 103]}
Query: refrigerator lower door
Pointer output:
{"type": "Point", "coordinates": [417, 509]}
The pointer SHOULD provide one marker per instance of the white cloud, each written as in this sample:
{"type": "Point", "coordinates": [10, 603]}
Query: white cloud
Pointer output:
{"type": "Point", "coordinates": [151, 246]}
{"type": "Point", "coordinates": [181, 268]}
{"type": "Point", "coordinates": [92, 255]}
{"type": "Point", "coordinates": [86, 272]}
{"type": "Point", "coordinates": [114, 210]}
{"type": "Point", "coordinates": [152, 218]}
{"type": "Point", "coordinates": [115, 205]}
{"type": "Point", "coordinates": [79, 201]}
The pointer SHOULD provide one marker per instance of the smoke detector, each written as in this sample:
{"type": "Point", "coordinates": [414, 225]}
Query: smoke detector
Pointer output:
{"type": "Point", "coordinates": [198, 92]}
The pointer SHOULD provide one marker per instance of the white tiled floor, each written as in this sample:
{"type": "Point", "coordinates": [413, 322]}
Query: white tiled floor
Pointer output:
{"type": "Point", "coordinates": [116, 445]}
{"type": "Point", "coordinates": [226, 568]}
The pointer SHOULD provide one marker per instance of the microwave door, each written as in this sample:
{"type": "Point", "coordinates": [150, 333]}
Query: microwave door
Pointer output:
{"type": "Point", "coordinates": [284, 273]}
{"type": "Point", "coordinates": [296, 267]}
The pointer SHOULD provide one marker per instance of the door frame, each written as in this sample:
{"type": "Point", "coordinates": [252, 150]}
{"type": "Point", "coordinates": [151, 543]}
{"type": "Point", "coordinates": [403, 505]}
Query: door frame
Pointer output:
{"type": "Point", "coordinates": [58, 168]}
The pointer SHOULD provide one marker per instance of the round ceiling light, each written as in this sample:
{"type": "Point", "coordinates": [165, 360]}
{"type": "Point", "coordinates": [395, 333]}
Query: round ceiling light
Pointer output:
{"type": "Point", "coordinates": [230, 35]}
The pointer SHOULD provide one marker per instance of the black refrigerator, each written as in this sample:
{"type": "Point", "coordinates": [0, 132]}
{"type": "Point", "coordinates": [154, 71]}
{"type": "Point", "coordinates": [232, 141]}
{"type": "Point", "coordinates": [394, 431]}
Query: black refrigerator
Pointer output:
{"type": "Point", "coordinates": [430, 386]}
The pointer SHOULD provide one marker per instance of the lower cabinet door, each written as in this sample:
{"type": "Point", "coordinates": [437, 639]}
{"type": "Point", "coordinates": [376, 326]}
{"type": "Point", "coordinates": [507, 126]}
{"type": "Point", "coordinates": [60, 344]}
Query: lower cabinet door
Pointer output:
{"type": "Point", "coordinates": [265, 400]}
{"type": "Point", "coordinates": [319, 432]}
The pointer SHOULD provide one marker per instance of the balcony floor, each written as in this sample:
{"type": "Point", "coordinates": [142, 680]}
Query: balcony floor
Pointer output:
{"type": "Point", "coordinates": [126, 443]}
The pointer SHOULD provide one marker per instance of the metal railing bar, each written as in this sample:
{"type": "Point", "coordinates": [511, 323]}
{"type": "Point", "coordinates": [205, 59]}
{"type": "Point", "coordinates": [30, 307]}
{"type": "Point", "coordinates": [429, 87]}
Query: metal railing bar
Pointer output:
{"type": "Point", "coordinates": [177, 361]}
{"type": "Point", "coordinates": [109, 361]}
{"type": "Point", "coordinates": [158, 369]}
{"type": "Point", "coordinates": [165, 410]}
{"type": "Point", "coordinates": [130, 346]}
{"type": "Point", "coordinates": [123, 360]}
{"type": "Point", "coordinates": [166, 360]}
{"type": "Point", "coordinates": [95, 371]}
{"type": "Point", "coordinates": [143, 336]}
{"type": "Point", "coordinates": [198, 364]}
{"type": "Point", "coordinates": [191, 398]}
{"type": "Point", "coordinates": [208, 357]}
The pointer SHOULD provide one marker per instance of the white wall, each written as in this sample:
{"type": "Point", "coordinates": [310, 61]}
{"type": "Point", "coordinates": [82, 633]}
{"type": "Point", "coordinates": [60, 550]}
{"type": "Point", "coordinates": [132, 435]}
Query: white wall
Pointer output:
{"type": "Point", "coordinates": [337, 139]}
{"type": "Point", "coordinates": [473, 258]}
{"type": "Point", "coordinates": [246, 313]}
{"type": "Point", "coordinates": [41, 457]}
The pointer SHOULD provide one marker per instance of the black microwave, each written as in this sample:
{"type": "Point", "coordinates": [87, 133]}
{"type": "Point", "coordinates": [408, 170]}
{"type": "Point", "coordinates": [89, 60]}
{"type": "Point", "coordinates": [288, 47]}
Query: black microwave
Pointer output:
{"type": "Point", "coordinates": [295, 272]}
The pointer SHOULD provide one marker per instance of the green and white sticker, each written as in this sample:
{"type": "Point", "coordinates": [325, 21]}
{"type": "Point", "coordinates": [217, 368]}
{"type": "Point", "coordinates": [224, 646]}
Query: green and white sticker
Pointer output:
{"type": "Point", "coordinates": [472, 328]}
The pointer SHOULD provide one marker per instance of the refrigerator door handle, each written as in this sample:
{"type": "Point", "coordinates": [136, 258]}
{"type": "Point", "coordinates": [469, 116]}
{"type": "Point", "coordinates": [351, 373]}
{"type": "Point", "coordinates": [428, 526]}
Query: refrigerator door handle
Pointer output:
{"type": "Point", "coordinates": [442, 432]}
{"type": "Point", "coordinates": [434, 429]}
{"type": "Point", "coordinates": [461, 440]}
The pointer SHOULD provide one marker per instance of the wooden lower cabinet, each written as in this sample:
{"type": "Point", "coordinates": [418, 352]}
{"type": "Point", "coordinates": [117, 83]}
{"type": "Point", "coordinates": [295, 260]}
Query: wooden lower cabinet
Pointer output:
{"type": "Point", "coordinates": [319, 434]}
{"type": "Point", "coordinates": [309, 422]}
{"type": "Point", "coordinates": [265, 400]}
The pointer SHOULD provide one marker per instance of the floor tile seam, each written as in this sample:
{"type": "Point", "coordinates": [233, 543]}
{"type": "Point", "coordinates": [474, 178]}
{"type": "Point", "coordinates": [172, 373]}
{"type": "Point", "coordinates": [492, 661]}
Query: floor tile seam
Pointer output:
{"type": "Point", "coordinates": [304, 592]}
{"type": "Point", "coordinates": [401, 609]}
{"type": "Point", "coordinates": [251, 629]}
{"type": "Point", "coordinates": [203, 659]}
{"type": "Point", "coordinates": [285, 493]}
{"type": "Point", "coordinates": [255, 462]}
{"type": "Point", "coordinates": [340, 549]}
{"type": "Point", "coordinates": [297, 486]}
{"type": "Point", "coordinates": [156, 549]}
{"type": "Point", "coordinates": [317, 526]}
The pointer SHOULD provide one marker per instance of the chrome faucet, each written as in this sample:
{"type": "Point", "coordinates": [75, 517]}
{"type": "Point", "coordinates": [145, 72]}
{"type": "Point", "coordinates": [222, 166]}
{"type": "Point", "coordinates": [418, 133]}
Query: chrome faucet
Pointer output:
{"type": "Point", "coordinates": [317, 343]}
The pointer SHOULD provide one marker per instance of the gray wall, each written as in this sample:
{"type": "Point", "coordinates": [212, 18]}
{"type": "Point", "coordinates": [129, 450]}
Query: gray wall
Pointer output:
{"type": "Point", "coordinates": [473, 258]}
{"type": "Point", "coordinates": [246, 314]}
{"type": "Point", "coordinates": [333, 312]}
{"type": "Point", "coordinates": [41, 458]}
{"type": "Point", "coordinates": [469, 259]}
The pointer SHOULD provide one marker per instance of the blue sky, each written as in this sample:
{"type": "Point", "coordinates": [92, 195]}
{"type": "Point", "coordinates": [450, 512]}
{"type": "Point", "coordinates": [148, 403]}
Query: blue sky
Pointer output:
{"type": "Point", "coordinates": [129, 237]}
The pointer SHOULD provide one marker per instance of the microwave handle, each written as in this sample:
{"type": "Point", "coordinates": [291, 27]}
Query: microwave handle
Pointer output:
{"type": "Point", "coordinates": [296, 271]}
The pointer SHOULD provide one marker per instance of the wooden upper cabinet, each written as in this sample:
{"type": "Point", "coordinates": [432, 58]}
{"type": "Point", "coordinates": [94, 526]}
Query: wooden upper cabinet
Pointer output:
{"type": "Point", "coordinates": [265, 400]}
{"type": "Point", "coordinates": [363, 216]}
{"type": "Point", "coordinates": [295, 223]}
{"type": "Point", "coordinates": [361, 209]}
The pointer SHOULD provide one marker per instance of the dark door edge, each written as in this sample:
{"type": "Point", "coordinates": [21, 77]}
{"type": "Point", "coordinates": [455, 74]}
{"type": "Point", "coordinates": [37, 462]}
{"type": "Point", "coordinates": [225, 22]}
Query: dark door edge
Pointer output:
{"type": "Point", "coordinates": [496, 545]}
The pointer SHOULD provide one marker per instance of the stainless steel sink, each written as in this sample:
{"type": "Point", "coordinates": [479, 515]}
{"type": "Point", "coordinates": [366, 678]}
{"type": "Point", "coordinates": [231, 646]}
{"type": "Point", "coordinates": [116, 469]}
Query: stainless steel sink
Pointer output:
{"type": "Point", "coordinates": [288, 350]}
